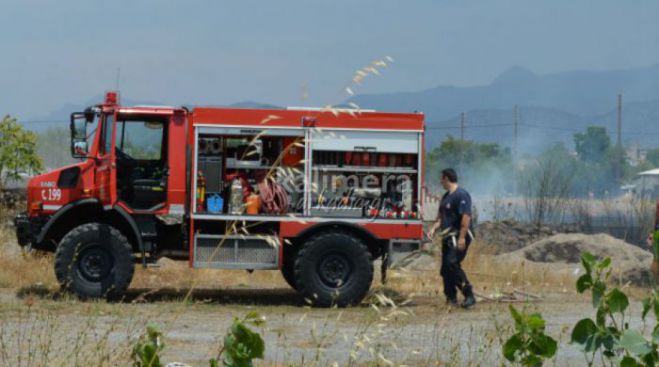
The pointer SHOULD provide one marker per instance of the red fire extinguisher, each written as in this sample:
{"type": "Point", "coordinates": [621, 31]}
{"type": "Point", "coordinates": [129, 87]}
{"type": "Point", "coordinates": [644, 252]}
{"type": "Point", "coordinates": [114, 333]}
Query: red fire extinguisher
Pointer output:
{"type": "Point", "coordinates": [201, 191]}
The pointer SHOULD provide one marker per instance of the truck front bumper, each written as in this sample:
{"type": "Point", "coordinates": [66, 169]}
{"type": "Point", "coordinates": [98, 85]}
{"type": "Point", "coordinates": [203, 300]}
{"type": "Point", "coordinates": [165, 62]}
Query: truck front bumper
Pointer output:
{"type": "Point", "coordinates": [27, 228]}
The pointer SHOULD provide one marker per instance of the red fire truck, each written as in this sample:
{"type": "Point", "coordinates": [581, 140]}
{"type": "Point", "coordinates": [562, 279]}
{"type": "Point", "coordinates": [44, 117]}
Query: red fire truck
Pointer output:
{"type": "Point", "coordinates": [318, 194]}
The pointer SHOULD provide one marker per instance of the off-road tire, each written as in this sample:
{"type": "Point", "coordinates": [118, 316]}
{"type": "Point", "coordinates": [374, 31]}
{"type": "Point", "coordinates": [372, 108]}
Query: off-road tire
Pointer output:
{"type": "Point", "coordinates": [327, 257]}
{"type": "Point", "coordinates": [288, 273]}
{"type": "Point", "coordinates": [94, 260]}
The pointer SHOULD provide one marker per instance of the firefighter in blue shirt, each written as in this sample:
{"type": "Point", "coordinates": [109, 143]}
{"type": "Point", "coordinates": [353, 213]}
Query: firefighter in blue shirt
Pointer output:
{"type": "Point", "coordinates": [454, 221]}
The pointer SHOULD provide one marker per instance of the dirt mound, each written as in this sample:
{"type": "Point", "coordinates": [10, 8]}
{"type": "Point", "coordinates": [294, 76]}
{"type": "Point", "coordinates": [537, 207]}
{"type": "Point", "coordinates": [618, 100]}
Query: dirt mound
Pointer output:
{"type": "Point", "coordinates": [630, 263]}
{"type": "Point", "coordinates": [507, 236]}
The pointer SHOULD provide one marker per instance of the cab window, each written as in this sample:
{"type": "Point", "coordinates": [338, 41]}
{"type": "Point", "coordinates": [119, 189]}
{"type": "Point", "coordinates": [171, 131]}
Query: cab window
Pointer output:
{"type": "Point", "coordinates": [139, 139]}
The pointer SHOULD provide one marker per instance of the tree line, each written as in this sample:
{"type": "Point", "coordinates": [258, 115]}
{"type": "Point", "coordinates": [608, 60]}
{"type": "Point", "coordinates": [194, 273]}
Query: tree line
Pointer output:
{"type": "Point", "coordinates": [591, 167]}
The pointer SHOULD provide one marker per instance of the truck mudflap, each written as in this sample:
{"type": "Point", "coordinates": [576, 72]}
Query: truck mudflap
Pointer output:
{"type": "Point", "coordinates": [399, 254]}
{"type": "Point", "coordinates": [400, 251]}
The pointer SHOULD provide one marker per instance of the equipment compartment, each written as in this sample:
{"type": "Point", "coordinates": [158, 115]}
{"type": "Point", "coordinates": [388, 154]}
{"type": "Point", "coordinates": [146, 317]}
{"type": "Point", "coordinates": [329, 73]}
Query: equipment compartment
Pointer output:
{"type": "Point", "coordinates": [249, 172]}
{"type": "Point", "coordinates": [364, 184]}
{"type": "Point", "coordinates": [236, 251]}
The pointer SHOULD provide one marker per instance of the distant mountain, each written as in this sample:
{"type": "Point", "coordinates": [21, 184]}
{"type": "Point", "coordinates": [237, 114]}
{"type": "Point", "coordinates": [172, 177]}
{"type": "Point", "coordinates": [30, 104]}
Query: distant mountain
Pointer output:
{"type": "Point", "coordinates": [576, 92]}
{"type": "Point", "coordinates": [561, 104]}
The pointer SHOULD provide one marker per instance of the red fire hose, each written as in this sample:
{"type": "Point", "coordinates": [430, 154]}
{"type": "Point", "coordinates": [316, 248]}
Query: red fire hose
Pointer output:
{"type": "Point", "coordinates": [273, 197]}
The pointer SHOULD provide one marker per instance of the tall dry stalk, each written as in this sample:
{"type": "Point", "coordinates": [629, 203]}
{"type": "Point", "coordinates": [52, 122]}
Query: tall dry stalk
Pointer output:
{"type": "Point", "coordinates": [545, 191]}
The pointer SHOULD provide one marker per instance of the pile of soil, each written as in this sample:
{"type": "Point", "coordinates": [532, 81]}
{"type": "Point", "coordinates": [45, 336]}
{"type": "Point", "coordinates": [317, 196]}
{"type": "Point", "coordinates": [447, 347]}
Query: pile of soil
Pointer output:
{"type": "Point", "coordinates": [630, 263]}
{"type": "Point", "coordinates": [506, 236]}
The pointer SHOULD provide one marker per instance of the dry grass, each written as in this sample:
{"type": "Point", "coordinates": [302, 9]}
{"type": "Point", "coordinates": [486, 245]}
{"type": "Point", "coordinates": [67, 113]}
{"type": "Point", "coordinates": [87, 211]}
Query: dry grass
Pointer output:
{"type": "Point", "coordinates": [38, 331]}
{"type": "Point", "coordinates": [19, 270]}
{"type": "Point", "coordinates": [486, 273]}
{"type": "Point", "coordinates": [177, 275]}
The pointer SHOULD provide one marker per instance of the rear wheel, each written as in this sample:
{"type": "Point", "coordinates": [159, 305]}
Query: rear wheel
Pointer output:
{"type": "Point", "coordinates": [334, 268]}
{"type": "Point", "coordinates": [288, 272]}
{"type": "Point", "coordinates": [288, 265]}
{"type": "Point", "coordinates": [94, 260]}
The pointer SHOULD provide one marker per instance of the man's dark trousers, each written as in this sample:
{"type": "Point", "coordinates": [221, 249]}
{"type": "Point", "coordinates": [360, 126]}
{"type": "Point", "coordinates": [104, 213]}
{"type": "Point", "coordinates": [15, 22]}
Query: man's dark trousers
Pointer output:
{"type": "Point", "coordinates": [451, 271]}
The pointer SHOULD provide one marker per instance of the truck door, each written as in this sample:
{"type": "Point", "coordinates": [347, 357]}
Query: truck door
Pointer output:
{"type": "Point", "coordinates": [106, 174]}
{"type": "Point", "coordinates": [141, 161]}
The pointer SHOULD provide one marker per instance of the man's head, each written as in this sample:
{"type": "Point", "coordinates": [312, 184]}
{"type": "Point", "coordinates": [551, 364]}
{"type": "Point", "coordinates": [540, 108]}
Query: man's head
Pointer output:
{"type": "Point", "coordinates": [449, 178]}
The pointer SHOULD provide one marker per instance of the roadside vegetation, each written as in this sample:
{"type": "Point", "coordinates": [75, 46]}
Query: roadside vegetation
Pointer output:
{"type": "Point", "coordinates": [18, 152]}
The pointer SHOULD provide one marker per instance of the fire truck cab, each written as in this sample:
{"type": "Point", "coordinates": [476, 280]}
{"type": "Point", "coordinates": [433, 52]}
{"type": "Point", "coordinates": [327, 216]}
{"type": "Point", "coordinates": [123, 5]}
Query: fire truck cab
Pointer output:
{"type": "Point", "coordinates": [318, 194]}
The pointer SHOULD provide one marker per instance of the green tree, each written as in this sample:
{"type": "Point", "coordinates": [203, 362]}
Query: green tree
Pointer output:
{"type": "Point", "coordinates": [18, 151]}
{"type": "Point", "coordinates": [653, 157]}
{"type": "Point", "coordinates": [478, 164]}
{"type": "Point", "coordinates": [453, 152]}
{"type": "Point", "coordinates": [593, 146]}
{"type": "Point", "coordinates": [599, 161]}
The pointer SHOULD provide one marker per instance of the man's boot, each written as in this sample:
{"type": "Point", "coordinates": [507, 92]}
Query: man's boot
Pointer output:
{"type": "Point", "coordinates": [469, 296]}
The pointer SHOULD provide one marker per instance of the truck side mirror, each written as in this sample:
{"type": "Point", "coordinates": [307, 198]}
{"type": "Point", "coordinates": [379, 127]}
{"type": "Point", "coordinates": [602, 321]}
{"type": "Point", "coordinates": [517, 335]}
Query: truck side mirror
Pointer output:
{"type": "Point", "coordinates": [78, 128]}
{"type": "Point", "coordinates": [79, 149]}
{"type": "Point", "coordinates": [79, 135]}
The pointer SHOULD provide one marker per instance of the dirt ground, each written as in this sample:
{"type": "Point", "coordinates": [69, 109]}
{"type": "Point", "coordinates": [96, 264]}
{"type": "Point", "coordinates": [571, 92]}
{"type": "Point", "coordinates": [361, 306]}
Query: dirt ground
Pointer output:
{"type": "Point", "coordinates": [424, 332]}
{"type": "Point", "coordinates": [194, 308]}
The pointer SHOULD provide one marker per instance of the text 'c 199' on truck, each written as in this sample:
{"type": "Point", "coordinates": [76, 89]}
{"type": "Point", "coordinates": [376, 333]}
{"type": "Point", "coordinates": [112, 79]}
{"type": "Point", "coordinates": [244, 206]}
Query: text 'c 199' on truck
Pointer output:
{"type": "Point", "coordinates": [318, 194]}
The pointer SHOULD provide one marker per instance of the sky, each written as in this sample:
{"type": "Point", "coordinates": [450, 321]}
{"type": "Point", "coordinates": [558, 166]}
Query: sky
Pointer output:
{"type": "Point", "coordinates": [222, 52]}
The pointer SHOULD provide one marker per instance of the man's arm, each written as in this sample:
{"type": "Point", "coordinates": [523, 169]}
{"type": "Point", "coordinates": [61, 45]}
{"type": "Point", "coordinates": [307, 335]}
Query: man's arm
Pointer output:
{"type": "Point", "coordinates": [464, 228]}
{"type": "Point", "coordinates": [434, 227]}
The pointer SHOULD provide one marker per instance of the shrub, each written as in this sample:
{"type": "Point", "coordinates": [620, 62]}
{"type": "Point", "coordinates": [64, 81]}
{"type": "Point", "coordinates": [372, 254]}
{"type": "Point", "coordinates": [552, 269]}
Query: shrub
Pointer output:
{"type": "Point", "coordinates": [529, 346]}
{"type": "Point", "coordinates": [609, 333]}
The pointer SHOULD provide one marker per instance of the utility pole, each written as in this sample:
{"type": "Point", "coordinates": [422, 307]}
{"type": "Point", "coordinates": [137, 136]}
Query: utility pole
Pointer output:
{"type": "Point", "coordinates": [515, 122]}
{"type": "Point", "coordinates": [462, 138]}
{"type": "Point", "coordinates": [620, 150]}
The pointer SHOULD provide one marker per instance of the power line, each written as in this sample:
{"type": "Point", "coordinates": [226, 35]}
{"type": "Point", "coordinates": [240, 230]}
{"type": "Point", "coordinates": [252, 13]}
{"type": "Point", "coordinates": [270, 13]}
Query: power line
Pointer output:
{"type": "Point", "coordinates": [42, 121]}
{"type": "Point", "coordinates": [551, 127]}
{"type": "Point", "coordinates": [469, 126]}
{"type": "Point", "coordinates": [568, 129]}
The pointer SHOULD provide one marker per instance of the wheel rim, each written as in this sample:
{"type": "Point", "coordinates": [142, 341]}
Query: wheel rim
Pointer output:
{"type": "Point", "coordinates": [334, 270]}
{"type": "Point", "coordinates": [95, 263]}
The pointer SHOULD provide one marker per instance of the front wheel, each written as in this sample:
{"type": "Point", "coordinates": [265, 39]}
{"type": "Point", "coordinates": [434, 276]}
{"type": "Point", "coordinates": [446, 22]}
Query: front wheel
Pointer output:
{"type": "Point", "coordinates": [334, 268]}
{"type": "Point", "coordinates": [94, 260]}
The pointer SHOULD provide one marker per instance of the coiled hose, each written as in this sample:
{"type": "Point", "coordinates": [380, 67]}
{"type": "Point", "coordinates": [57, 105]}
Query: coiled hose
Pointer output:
{"type": "Point", "coordinates": [274, 199]}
